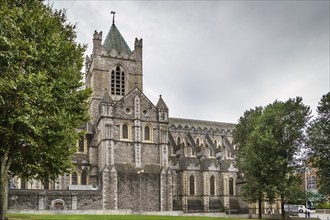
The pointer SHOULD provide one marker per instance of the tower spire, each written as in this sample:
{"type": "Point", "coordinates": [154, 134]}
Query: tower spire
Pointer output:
{"type": "Point", "coordinates": [113, 17]}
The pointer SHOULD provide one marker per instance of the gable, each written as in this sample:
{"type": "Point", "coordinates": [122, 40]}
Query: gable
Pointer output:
{"type": "Point", "coordinates": [133, 104]}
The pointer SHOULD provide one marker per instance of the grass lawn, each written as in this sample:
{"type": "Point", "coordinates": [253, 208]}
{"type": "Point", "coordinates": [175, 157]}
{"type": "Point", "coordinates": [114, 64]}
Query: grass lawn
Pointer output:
{"type": "Point", "coordinates": [106, 217]}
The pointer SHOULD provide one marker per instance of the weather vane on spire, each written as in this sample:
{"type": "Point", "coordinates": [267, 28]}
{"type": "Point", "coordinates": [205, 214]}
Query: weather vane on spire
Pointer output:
{"type": "Point", "coordinates": [113, 17]}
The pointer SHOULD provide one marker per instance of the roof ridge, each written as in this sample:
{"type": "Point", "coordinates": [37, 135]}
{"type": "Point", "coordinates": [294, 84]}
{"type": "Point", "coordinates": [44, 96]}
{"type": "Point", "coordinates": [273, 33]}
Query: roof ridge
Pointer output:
{"type": "Point", "coordinates": [199, 120]}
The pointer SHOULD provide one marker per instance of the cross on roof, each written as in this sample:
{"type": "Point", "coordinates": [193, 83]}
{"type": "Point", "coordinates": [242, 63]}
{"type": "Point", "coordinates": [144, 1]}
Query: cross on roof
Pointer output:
{"type": "Point", "coordinates": [113, 17]}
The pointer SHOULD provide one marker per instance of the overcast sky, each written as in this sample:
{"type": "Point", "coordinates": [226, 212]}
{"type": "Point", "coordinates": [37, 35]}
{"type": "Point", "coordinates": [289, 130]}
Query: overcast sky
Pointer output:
{"type": "Point", "coordinates": [212, 60]}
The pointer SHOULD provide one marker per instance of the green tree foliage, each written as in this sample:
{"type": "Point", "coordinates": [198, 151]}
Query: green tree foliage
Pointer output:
{"type": "Point", "coordinates": [248, 160]}
{"type": "Point", "coordinates": [42, 100]}
{"type": "Point", "coordinates": [316, 197]}
{"type": "Point", "coordinates": [294, 194]}
{"type": "Point", "coordinates": [319, 142]}
{"type": "Point", "coordinates": [268, 139]}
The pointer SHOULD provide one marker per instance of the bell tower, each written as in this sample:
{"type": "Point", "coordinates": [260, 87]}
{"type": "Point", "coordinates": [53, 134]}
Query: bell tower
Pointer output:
{"type": "Point", "coordinates": [112, 66]}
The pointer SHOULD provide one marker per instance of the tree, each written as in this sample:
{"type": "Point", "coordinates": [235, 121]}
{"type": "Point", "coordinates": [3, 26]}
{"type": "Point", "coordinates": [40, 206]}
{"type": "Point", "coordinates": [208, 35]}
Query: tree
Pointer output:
{"type": "Point", "coordinates": [267, 145]}
{"type": "Point", "coordinates": [319, 142]}
{"type": "Point", "coordinates": [248, 160]}
{"type": "Point", "coordinates": [42, 100]}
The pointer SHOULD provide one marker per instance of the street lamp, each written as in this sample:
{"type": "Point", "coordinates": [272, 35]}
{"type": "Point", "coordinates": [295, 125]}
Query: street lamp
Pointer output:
{"type": "Point", "coordinates": [140, 173]}
{"type": "Point", "coordinates": [306, 184]}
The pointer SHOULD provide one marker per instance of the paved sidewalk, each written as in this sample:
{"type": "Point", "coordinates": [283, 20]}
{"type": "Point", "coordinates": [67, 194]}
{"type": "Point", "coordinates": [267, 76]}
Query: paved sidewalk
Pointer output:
{"type": "Point", "coordinates": [316, 215]}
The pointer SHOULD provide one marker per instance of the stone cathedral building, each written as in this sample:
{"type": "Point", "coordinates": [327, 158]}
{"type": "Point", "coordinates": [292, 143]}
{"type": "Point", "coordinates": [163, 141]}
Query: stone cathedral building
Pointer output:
{"type": "Point", "coordinates": [134, 156]}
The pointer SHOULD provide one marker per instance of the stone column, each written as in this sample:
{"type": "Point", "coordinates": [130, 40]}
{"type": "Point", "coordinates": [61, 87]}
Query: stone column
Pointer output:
{"type": "Point", "coordinates": [74, 202]}
{"type": "Point", "coordinates": [41, 202]}
{"type": "Point", "coordinates": [169, 191]}
{"type": "Point", "coordinates": [163, 190]}
{"type": "Point", "coordinates": [206, 191]}
{"type": "Point", "coordinates": [184, 182]}
{"type": "Point", "coordinates": [106, 189]}
{"type": "Point", "coordinates": [113, 188]}
{"type": "Point", "coordinates": [225, 190]}
{"type": "Point", "coordinates": [137, 131]}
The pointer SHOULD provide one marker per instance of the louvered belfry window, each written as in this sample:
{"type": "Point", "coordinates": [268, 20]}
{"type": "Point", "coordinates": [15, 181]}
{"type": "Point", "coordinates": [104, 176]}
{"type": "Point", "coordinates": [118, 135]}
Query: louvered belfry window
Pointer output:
{"type": "Point", "coordinates": [118, 81]}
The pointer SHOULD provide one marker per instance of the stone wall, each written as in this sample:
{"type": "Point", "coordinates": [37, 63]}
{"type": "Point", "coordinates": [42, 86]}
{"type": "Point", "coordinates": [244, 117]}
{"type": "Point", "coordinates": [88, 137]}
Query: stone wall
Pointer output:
{"type": "Point", "coordinates": [124, 152]}
{"type": "Point", "coordinates": [129, 192]}
{"type": "Point", "coordinates": [150, 154]}
{"type": "Point", "coordinates": [42, 199]}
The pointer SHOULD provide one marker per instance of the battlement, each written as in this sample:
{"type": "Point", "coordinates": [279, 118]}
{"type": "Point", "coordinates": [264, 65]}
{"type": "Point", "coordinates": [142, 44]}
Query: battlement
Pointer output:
{"type": "Point", "coordinates": [97, 35]}
{"type": "Point", "coordinates": [138, 43]}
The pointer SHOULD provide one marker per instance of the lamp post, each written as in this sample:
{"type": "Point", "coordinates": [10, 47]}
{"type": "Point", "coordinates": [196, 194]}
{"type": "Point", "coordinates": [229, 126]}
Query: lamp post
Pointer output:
{"type": "Point", "coordinates": [306, 183]}
{"type": "Point", "coordinates": [140, 173]}
{"type": "Point", "coordinates": [229, 204]}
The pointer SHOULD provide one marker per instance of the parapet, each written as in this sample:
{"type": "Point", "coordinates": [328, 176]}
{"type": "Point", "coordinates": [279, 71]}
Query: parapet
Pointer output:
{"type": "Point", "coordinates": [97, 35]}
{"type": "Point", "coordinates": [138, 43]}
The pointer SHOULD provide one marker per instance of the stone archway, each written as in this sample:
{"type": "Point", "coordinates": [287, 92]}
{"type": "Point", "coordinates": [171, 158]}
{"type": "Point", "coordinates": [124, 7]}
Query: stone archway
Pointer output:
{"type": "Point", "coordinates": [58, 204]}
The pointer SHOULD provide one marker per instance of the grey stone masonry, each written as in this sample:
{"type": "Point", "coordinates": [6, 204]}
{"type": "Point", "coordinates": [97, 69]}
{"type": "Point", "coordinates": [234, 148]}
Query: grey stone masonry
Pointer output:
{"type": "Point", "coordinates": [44, 199]}
{"type": "Point", "coordinates": [134, 154]}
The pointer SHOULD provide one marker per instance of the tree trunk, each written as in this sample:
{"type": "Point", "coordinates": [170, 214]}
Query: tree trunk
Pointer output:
{"type": "Point", "coordinates": [260, 207]}
{"type": "Point", "coordinates": [3, 192]}
{"type": "Point", "coordinates": [5, 164]}
{"type": "Point", "coordinates": [282, 208]}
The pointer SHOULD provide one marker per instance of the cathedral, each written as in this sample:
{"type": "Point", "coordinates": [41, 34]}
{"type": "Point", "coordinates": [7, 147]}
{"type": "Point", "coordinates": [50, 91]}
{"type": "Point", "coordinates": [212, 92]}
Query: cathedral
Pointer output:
{"type": "Point", "coordinates": [134, 156]}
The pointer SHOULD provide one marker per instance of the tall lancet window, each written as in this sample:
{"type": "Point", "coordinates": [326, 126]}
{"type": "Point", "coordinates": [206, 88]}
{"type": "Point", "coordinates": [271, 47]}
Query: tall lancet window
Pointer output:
{"type": "Point", "coordinates": [192, 185]}
{"type": "Point", "coordinates": [231, 186]}
{"type": "Point", "coordinates": [118, 81]}
{"type": "Point", "coordinates": [212, 186]}
{"type": "Point", "coordinates": [124, 131]}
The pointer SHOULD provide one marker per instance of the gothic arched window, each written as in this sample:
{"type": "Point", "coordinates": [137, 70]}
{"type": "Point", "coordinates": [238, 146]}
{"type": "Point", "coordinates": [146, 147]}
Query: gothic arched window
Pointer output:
{"type": "Point", "coordinates": [81, 144]}
{"type": "Point", "coordinates": [147, 133]}
{"type": "Point", "coordinates": [74, 178]}
{"type": "Point", "coordinates": [191, 185]}
{"type": "Point", "coordinates": [83, 177]}
{"type": "Point", "coordinates": [212, 186]}
{"type": "Point", "coordinates": [118, 81]}
{"type": "Point", "coordinates": [124, 131]}
{"type": "Point", "coordinates": [231, 186]}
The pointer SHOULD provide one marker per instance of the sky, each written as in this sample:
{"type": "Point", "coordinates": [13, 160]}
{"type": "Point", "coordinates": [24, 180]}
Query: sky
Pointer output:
{"type": "Point", "coordinates": [213, 60]}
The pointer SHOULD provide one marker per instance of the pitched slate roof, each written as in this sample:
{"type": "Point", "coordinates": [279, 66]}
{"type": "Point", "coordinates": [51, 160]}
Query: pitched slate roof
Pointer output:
{"type": "Point", "coordinates": [201, 123]}
{"type": "Point", "coordinates": [114, 40]}
{"type": "Point", "coordinates": [106, 98]}
{"type": "Point", "coordinates": [161, 104]}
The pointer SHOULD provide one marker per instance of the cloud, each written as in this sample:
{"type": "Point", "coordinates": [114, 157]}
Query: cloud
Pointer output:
{"type": "Point", "coordinates": [213, 60]}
